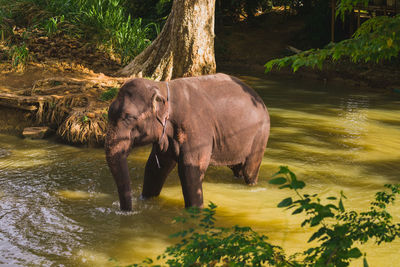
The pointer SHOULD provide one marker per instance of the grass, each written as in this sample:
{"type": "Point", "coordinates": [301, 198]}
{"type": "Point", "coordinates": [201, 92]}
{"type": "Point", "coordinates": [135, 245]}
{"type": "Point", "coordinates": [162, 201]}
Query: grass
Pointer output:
{"type": "Point", "coordinates": [104, 22]}
{"type": "Point", "coordinates": [19, 56]}
{"type": "Point", "coordinates": [124, 35]}
{"type": "Point", "coordinates": [52, 25]}
{"type": "Point", "coordinates": [109, 94]}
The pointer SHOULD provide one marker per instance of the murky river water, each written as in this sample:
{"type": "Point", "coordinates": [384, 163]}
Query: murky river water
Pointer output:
{"type": "Point", "coordinates": [58, 204]}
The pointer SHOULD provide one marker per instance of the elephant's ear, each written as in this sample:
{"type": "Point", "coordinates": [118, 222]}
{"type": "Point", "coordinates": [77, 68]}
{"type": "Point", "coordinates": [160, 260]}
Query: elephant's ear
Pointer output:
{"type": "Point", "coordinates": [159, 106]}
{"type": "Point", "coordinates": [160, 109]}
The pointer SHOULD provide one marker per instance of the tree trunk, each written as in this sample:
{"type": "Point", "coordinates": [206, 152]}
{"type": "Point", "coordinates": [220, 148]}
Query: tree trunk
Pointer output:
{"type": "Point", "coordinates": [185, 46]}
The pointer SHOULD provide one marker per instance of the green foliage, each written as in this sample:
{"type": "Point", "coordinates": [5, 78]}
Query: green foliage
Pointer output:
{"type": "Point", "coordinates": [345, 6]}
{"type": "Point", "coordinates": [109, 94]}
{"type": "Point", "coordinates": [33, 13]}
{"type": "Point", "coordinates": [106, 22]}
{"type": "Point", "coordinates": [52, 25]}
{"type": "Point", "coordinates": [85, 119]}
{"type": "Point", "coordinates": [19, 55]}
{"type": "Point", "coordinates": [339, 230]}
{"type": "Point", "coordinates": [209, 245]}
{"type": "Point", "coordinates": [377, 39]}
{"type": "Point", "coordinates": [126, 36]}
{"type": "Point", "coordinates": [337, 234]}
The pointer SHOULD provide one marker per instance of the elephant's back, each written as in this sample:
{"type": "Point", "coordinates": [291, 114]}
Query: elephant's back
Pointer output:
{"type": "Point", "coordinates": [229, 94]}
{"type": "Point", "coordinates": [229, 110]}
{"type": "Point", "coordinates": [220, 90]}
{"type": "Point", "coordinates": [222, 97]}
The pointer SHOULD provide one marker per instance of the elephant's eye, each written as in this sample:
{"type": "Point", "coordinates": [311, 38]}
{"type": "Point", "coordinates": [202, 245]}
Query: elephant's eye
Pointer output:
{"type": "Point", "coordinates": [130, 117]}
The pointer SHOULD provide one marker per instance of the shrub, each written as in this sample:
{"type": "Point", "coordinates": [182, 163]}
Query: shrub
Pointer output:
{"type": "Point", "coordinates": [19, 55]}
{"type": "Point", "coordinates": [210, 245]}
{"type": "Point", "coordinates": [109, 94]}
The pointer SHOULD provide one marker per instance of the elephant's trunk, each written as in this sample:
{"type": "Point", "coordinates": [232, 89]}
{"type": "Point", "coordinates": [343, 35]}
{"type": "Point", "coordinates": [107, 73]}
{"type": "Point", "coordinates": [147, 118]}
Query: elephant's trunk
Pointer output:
{"type": "Point", "coordinates": [117, 150]}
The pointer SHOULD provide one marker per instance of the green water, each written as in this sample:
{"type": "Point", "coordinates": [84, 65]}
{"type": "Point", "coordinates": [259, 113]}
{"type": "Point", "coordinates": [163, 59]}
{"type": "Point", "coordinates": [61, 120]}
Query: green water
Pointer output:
{"type": "Point", "coordinates": [58, 204]}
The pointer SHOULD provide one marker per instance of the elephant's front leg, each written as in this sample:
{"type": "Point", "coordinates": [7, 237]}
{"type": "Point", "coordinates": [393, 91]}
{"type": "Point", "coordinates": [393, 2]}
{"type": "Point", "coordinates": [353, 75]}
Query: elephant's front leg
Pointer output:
{"type": "Point", "coordinates": [156, 172]}
{"type": "Point", "coordinates": [191, 174]}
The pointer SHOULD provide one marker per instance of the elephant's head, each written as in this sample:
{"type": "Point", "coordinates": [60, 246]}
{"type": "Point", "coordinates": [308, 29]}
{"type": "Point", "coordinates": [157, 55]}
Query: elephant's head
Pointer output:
{"type": "Point", "coordinates": [136, 117]}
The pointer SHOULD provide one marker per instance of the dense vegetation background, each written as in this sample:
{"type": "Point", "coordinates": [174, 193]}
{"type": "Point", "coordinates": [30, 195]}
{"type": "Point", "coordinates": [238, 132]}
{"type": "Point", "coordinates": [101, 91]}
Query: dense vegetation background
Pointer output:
{"type": "Point", "coordinates": [124, 28]}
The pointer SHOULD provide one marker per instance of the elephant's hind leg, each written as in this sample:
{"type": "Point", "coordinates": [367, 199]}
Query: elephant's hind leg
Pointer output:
{"type": "Point", "coordinates": [156, 173]}
{"type": "Point", "coordinates": [251, 167]}
{"type": "Point", "coordinates": [252, 164]}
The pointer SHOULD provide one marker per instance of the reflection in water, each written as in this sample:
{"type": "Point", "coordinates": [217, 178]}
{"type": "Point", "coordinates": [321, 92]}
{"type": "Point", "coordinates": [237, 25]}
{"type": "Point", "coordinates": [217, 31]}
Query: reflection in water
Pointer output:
{"type": "Point", "coordinates": [354, 116]}
{"type": "Point", "coordinates": [58, 204]}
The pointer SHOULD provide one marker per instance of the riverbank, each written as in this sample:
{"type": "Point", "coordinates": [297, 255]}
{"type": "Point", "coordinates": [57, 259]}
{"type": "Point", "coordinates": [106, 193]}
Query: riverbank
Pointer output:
{"type": "Point", "coordinates": [68, 85]}
{"type": "Point", "coordinates": [69, 98]}
{"type": "Point", "coordinates": [65, 84]}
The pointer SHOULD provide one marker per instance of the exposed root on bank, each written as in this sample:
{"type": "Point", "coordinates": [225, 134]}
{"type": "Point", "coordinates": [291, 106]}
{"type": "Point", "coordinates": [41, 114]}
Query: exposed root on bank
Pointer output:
{"type": "Point", "coordinates": [54, 111]}
{"type": "Point", "coordinates": [79, 128]}
{"type": "Point", "coordinates": [79, 115]}
{"type": "Point", "coordinates": [71, 106]}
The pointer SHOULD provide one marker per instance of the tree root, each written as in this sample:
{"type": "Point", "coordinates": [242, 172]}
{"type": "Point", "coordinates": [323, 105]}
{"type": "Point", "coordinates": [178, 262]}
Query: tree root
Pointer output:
{"type": "Point", "coordinates": [78, 128]}
{"type": "Point", "coordinates": [70, 105]}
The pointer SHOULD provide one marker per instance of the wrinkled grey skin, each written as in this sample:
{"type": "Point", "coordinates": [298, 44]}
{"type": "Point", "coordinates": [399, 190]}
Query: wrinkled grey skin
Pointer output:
{"type": "Point", "coordinates": [213, 119]}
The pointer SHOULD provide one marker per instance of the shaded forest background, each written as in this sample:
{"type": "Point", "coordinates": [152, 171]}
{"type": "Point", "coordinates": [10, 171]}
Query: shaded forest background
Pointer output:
{"type": "Point", "coordinates": [124, 28]}
{"type": "Point", "coordinates": [113, 32]}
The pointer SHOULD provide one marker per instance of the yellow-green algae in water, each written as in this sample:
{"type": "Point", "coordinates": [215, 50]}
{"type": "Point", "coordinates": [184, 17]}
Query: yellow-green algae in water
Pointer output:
{"type": "Point", "coordinates": [79, 195]}
{"type": "Point", "coordinates": [58, 204]}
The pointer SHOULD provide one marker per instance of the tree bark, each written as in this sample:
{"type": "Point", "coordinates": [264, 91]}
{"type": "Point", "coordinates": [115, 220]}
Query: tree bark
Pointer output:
{"type": "Point", "coordinates": [185, 46]}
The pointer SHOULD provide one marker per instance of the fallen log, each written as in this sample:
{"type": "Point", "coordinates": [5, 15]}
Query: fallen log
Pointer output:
{"type": "Point", "coordinates": [27, 108]}
{"type": "Point", "coordinates": [20, 102]}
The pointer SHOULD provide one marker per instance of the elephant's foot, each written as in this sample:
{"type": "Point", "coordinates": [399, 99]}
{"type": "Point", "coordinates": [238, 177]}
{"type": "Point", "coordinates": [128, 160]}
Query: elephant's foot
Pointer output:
{"type": "Point", "coordinates": [249, 182]}
{"type": "Point", "coordinates": [142, 197]}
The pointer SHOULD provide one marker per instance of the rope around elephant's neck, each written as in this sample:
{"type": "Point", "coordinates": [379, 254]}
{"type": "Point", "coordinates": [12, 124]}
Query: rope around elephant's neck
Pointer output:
{"type": "Point", "coordinates": [164, 125]}
{"type": "Point", "coordinates": [167, 116]}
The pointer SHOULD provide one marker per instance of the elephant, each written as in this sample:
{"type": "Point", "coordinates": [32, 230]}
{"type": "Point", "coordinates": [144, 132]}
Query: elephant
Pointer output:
{"type": "Point", "coordinates": [192, 122]}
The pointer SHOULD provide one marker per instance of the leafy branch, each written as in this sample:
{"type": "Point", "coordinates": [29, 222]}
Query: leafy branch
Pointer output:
{"type": "Point", "coordinates": [377, 39]}
{"type": "Point", "coordinates": [210, 245]}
